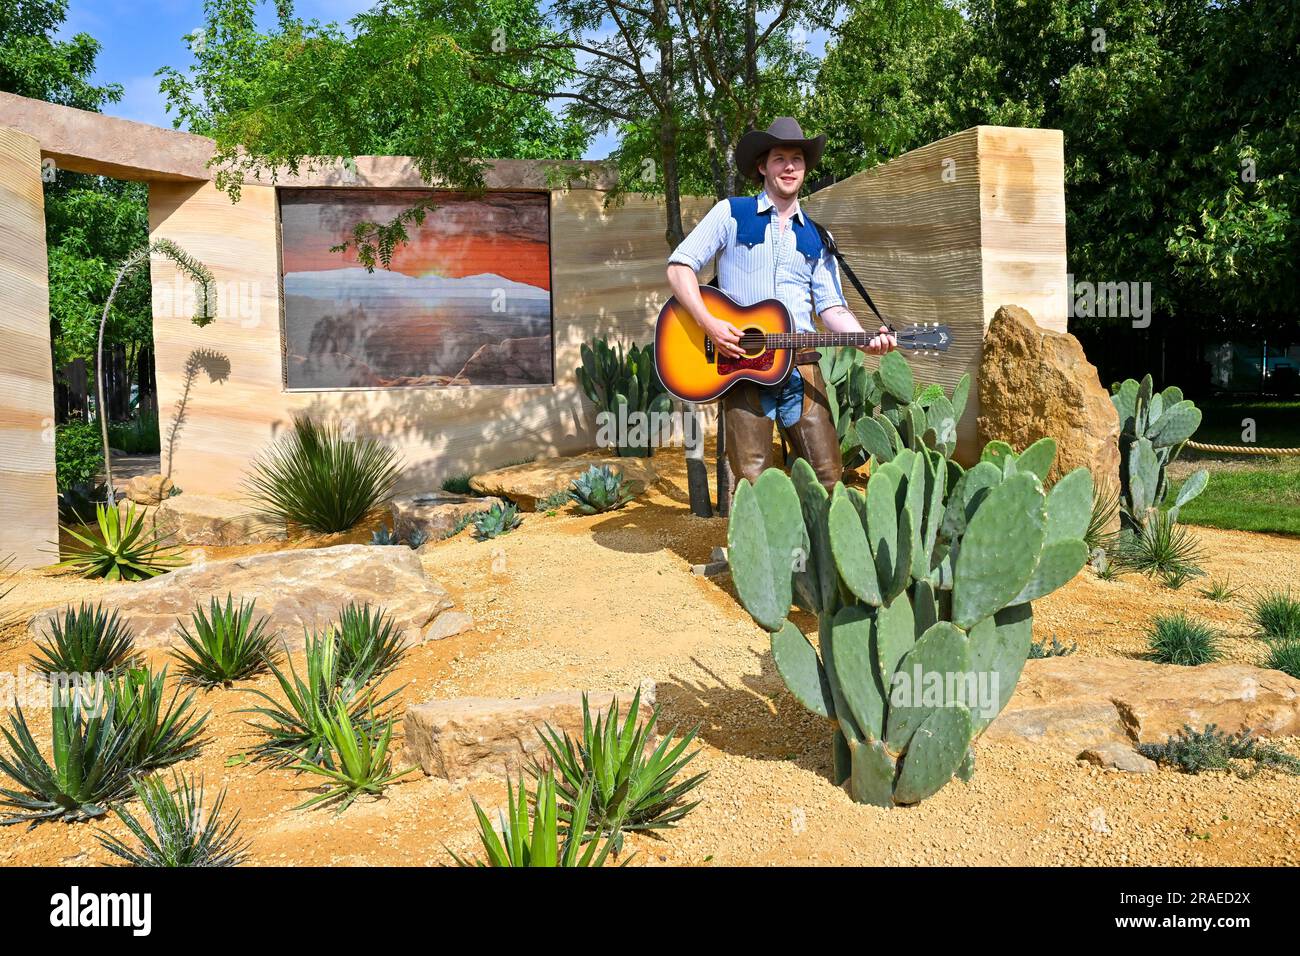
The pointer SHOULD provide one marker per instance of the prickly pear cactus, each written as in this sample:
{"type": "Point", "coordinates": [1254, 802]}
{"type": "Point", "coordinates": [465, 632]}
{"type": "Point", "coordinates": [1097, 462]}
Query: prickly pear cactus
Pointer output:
{"type": "Point", "coordinates": [922, 589]}
{"type": "Point", "coordinates": [1153, 429]}
{"type": "Point", "coordinates": [879, 413]}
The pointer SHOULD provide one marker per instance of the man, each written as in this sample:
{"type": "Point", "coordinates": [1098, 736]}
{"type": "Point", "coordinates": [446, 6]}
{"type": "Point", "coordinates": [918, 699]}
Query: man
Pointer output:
{"type": "Point", "coordinates": [770, 250]}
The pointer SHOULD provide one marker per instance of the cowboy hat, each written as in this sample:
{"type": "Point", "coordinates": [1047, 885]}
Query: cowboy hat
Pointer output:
{"type": "Point", "coordinates": [784, 131]}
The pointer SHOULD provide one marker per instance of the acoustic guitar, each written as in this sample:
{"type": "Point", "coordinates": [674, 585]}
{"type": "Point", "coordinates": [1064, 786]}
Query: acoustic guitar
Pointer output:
{"type": "Point", "coordinates": [694, 370]}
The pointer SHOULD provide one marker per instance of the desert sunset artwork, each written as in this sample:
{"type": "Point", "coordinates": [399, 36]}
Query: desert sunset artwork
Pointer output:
{"type": "Point", "coordinates": [467, 301]}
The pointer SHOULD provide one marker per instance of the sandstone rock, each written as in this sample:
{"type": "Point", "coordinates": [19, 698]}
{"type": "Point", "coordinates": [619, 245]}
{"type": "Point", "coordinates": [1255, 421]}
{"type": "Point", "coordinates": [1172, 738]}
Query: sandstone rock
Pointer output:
{"type": "Point", "coordinates": [295, 589]}
{"type": "Point", "coordinates": [525, 361]}
{"type": "Point", "coordinates": [1079, 703]}
{"type": "Point", "coordinates": [1117, 756]}
{"type": "Point", "coordinates": [148, 489]}
{"type": "Point", "coordinates": [476, 736]}
{"type": "Point", "coordinates": [525, 484]}
{"type": "Point", "coordinates": [210, 520]}
{"type": "Point", "coordinates": [1034, 383]}
{"type": "Point", "coordinates": [434, 512]}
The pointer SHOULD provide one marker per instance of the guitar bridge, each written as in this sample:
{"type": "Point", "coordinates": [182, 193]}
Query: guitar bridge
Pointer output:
{"type": "Point", "coordinates": [710, 355]}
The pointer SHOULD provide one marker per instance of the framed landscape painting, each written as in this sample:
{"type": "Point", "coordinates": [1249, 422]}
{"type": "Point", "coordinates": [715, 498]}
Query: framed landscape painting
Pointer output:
{"type": "Point", "coordinates": [466, 302]}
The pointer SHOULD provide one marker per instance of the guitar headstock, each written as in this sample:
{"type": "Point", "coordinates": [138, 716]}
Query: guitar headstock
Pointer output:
{"type": "Point", "coordinates": [925, 337]}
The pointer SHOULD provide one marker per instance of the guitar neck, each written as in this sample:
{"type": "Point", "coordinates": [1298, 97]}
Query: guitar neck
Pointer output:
{"type": "Point", "coordinates": [821, 340]}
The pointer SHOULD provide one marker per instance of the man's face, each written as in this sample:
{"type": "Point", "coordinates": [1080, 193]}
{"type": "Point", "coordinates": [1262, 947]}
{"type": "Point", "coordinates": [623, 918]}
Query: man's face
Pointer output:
{"type": "Point", "coordinates": [783, 171]}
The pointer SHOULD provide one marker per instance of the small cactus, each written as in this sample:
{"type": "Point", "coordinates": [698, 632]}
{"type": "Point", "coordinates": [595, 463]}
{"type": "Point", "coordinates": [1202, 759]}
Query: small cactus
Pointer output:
{"type": "Point", "coordinates": [600, 489]}
{"type": "Point", "coordinates": [496, 521]}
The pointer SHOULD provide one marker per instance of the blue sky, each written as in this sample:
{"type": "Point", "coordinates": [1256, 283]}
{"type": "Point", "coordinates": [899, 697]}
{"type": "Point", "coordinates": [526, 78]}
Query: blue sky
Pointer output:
{"type": "Point", "coordinates": [139, 36]}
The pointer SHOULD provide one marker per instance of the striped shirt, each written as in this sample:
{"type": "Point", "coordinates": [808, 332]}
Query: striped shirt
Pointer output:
{"type": "Point", "coordinates": [773, 269]}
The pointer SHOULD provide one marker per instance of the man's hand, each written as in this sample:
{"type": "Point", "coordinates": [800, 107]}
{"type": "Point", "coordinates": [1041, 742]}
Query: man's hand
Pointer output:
{"type": "Point", "coordinates": [884, 341]}
{"type": "Point", "coordinates": [725, 335]}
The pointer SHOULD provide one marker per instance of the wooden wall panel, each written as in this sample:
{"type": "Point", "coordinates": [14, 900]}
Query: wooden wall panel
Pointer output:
{"type": "Point", "coordinates": [28, 495]}
{"type": "Point", "coordinates": [223, 382]}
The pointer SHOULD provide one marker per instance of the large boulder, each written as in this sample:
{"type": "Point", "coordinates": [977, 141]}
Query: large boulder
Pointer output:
{"type": "Point", "coordinates": [532, 481]}
{"type": "Point", "coordinates": [1078, 703]}
{"type": "Point", "coordinates": [436, 513]}
{"type": "Point", "coordinates": [297, 590]}
{"type": "Point", "coordinates": [1035, 383]}
{"type": "Point", "coordinates": [476, 736]}
{"type": "Point", "coordinates": [210, 520]}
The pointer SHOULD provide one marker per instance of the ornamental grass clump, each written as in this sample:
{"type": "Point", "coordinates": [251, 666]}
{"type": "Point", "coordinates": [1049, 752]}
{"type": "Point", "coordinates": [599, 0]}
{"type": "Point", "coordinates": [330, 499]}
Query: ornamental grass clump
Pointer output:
{"type": "Point", "coordinates": [1276, 615]}
{"type": "Point", "coordinates": [179, 831]}
{"type": "Point", "coordinates": [319, 480]}
{"type": "Point", "coordinates": [1179, 639]}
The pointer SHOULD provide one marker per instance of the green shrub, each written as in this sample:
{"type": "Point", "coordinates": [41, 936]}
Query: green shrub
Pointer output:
{"type": "Point", "coordinates": [183, 834]}
{"type": "Point", "coordinates": [1220, 591]}
{"type": "Point", "coordinates": [139, 436]}
{"type": "Point", "coordinates": [632, 790]}
{"type": "Point", "coordinates": [163, 732]}
{"type": "Point", "coordinates": [1178, 639]}
{"type": "Point", "coordinates": [124, 551]}
{"type": "Point", "coordinates": [517, 845]}
{"type": "Point", "coordinates": [78, 454]}
{"type": "Point", "coordinates": [496, 521]}
{"type": "Point", "coordinates": [226, 645]}
{"type": "Point", "coordinates": [1284, 656]}
{"type": "Point", "coordinates": [317, 480]}
{"type": "Point", "coordinates": [458, 485]}
{"type": "Point", "coordinates": [1276, 615]}
{"type": "Point", "coordinates": [1193, 751]}
{"type": "Point", "coordinates": [600, 489]}
{"type": "Point", "coordinates": [360, 763]}
{"type": "Point", "coordinates": [92, 765]}
{"type": "Point", "coordinates": [88, 640]}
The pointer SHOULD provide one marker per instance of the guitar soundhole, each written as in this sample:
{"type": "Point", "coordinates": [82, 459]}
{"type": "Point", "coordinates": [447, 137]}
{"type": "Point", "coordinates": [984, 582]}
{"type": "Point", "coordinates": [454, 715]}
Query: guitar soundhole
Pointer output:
{"type": "Point", "coordinates": [757, 357]}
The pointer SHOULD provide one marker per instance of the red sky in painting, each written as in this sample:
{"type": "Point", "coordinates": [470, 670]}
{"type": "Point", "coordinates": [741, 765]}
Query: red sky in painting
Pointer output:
{"type": "Point", "coordinates": [466, 248]}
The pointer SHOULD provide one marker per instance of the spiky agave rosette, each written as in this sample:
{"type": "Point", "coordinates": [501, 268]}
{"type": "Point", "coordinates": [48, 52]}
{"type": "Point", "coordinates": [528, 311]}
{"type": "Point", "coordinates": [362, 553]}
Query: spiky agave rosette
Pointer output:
{"type": "Point", "coordinates": [922, 589]}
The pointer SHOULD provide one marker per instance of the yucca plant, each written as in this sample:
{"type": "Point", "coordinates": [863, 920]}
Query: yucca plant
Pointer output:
{"type": "Point", "coordinates": [179, 833]}
{"type": "Point", "coordinates": [1105, 510]}
{"type": "Point", "coordinates": [226, 645]}
{"type": "Point", "coordinates": [370, 645]}
{"type": "Point", "coordinates": [125, 551]}
{"type": "Point", "coordinates": [88, 640]}
{"type": "Point", "coordinates": [630, 787]}
{"type": "Point", "coordinates": [516, 845]}
{"type": "Point", "coordinates": [91, 765]}
{"type": "Point", "coordinates": [1276, 615]}
{"type": "Point", "coordinates": [1178, 639]}
{"type": "Point", "coordinates": [318, 480]}
{"type": "Point", "coordinates": [296, 730]}
{"type": "Point", "coordinates": [360, 762]}
{"type": "Point", "coordinates": [1161, 546]}
{"type": "Point", "coordinates": [1220, 591]}
{"type": "Point", "coordinates": [600, 489]}
{"type": "Point", "coordinates": [1284, 656]}
{"type": "Point", "coordinates": [163, 731]}
{"type": "Point", "coordinates": [496, 520]}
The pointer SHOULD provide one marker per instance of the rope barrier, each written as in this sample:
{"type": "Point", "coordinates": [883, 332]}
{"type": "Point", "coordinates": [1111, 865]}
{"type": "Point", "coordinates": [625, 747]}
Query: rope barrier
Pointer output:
{"type": "Point", "coordinates": [1243, 449]}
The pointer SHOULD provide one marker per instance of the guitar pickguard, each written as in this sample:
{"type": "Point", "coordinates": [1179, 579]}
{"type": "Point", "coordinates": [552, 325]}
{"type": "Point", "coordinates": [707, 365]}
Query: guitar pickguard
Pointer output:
{"type": "Point", "coordinates": [757, 363]}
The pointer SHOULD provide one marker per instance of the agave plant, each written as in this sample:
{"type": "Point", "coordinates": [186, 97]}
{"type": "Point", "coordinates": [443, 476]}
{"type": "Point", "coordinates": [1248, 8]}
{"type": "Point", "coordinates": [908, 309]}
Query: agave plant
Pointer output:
{"type": "Point", "coordinates": [226, 645]}
{"type": "Point", "coordinates": [91, 766]}
{"type": "Point", "coordinates": [163, 732]}
{"type": "Point", "coordinates": [370, 645]}
{"type": "Point", "coordinates": [182, 833]}
{"type": "Point", "coordinates": [629, 787]}
{"type": "Point", "coordinates": [360, 764]}
{"type": "Point", "coordinates": [384, 537]}
{"type": "Point", "coordinates": [124, 551]}
{"type": "Point", "coordinates": [318, 480]}
{"type": "Point", "coordinates": [88, 640]}
{"type": "Point", "coordinates": [297, 729]}
{"type": "Point", "coordinates": [496, 521]}
{"type": "Point", "coordinates": [600, 489]}
{"type": "Point", "coordinates": [517, 845]}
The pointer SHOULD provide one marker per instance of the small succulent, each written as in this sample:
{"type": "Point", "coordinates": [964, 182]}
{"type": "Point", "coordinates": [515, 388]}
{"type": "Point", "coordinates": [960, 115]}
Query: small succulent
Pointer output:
{"type": "Point", "coordinates": [384, 536]}
{"type": "Point", "coordinates": [226, 645]}
{"type": "Point", "coordinates": [496, 521]}
{"type": "Point", "coordinates": [1041, 649]}
{"type": "Point", "coordinates": [1192, 751]}
{"type": "Point", "coordinates": [87, 640]}
{"type": "Point", "coordinates": [417, 538]}
{"type": "Point", "coordinates": [124, 551]}
{"type": "Point", "coordinates": [600, 489]}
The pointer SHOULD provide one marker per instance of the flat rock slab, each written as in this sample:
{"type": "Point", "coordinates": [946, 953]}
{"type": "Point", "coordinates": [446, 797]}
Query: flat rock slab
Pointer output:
{"type": "Point", "coordinates": [479, 736]}
{"type": "Point", "coordinates": [436, 513]}
{"type": "Point", "coordinates": [295, 589]}
{"type": "Point", "coordinates": [195, 519]}
{"type": "Point", "coordinates": [1117, 756]}
{"type": "Point", "coordinates": [1080, 703]}
{"type": "Point", "coordinates": [527, 483]}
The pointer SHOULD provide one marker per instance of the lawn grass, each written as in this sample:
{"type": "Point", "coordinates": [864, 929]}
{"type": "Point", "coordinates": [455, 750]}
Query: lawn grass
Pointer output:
{"type": "Point", "coordinates": [1266, 498]}
{"type": "Point", "coordinates": [1277, 421]}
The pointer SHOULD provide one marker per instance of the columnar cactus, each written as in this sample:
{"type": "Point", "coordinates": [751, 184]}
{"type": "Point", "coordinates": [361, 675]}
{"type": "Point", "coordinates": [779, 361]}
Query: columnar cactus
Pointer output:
{"type": "Point", "coordinates": [611, 378]}
{"type": "Point", "coordinates": [1153, 429]}
{"type": "Point", "coordinates": [922, 592]}
{"type": "Point", "coordinates": [878, 414]}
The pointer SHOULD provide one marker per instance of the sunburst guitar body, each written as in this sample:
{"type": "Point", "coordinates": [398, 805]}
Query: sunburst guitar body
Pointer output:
{"type": "Point", "coordinates": [694, 370]}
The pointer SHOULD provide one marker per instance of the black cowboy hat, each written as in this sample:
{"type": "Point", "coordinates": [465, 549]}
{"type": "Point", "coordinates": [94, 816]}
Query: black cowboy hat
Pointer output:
{"type": "Point", "coordinates": [784, 131]}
